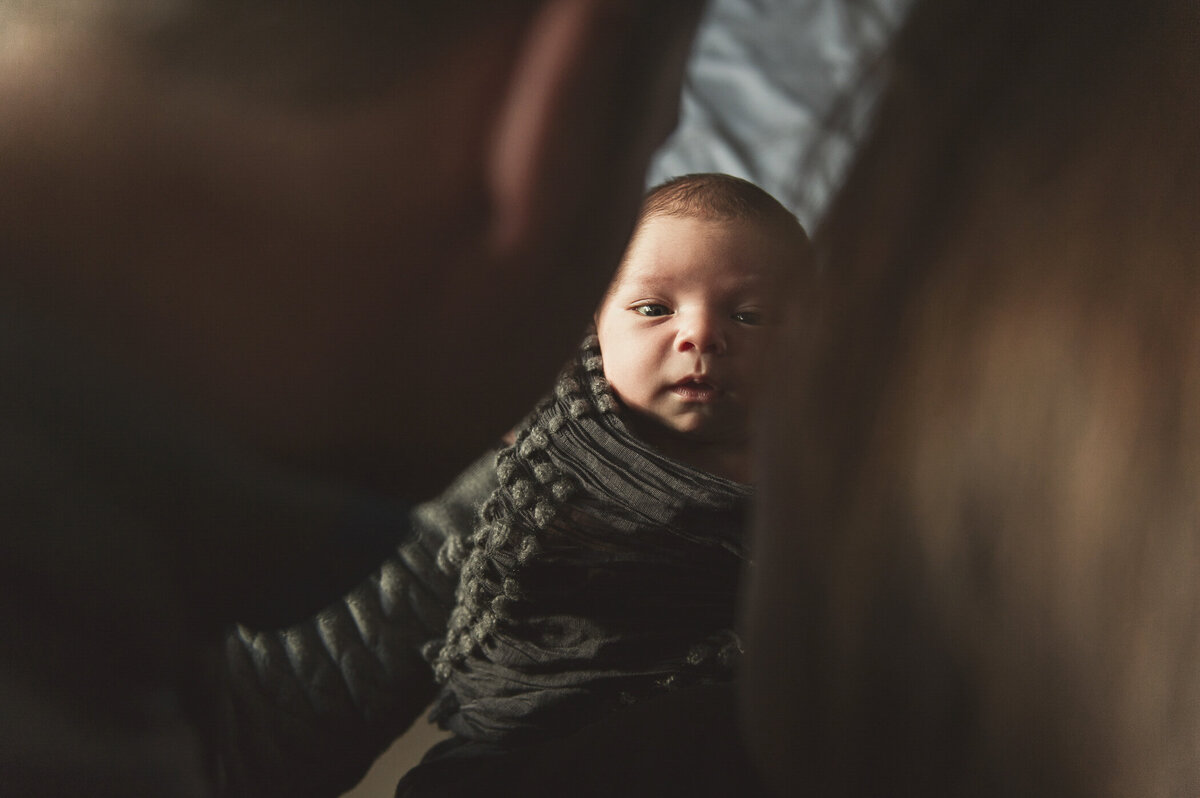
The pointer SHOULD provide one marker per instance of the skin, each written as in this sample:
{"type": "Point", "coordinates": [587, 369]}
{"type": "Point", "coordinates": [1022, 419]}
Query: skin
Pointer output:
{"type": "Point", "coordinates": [684, 330]}
{"type": "Point", "coordinates": [291, 299]}
{"type": "Point", "coordinates": [295, 287]}
{"type": "Point", "coordinates": [276, 270]}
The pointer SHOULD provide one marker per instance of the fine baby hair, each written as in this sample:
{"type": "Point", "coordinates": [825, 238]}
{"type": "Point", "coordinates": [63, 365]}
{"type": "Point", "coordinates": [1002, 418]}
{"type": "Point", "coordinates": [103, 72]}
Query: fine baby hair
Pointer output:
{"type": "Point", "coordinates": [715, 195]}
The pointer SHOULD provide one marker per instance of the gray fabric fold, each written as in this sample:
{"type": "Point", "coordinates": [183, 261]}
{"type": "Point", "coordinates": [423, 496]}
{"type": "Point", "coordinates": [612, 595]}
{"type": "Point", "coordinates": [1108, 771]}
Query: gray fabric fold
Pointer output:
{"type": "Point", "coordinates": [311, 706]}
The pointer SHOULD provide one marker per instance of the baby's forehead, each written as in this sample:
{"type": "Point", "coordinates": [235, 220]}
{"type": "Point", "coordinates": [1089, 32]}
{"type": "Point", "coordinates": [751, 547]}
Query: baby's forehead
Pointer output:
{"type": "Point", "coordinates": [737, 248]}
{"type": "Point", "coordinates": [649, 273]}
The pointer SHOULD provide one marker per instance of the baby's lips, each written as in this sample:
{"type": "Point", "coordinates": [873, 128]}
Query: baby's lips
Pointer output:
{"type": "Point", "coordinates": [701, 383]}
{"type": "Point", "coordinates": [694, 389]}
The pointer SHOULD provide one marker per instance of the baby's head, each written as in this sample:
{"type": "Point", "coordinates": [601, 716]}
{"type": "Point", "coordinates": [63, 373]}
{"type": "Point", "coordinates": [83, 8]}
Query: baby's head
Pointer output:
{"type": "Point", "coordinates": [686, 321]}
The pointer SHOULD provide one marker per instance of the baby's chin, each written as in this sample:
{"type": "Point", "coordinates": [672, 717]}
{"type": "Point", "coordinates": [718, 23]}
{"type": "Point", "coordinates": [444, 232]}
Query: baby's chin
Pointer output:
{"type": "Point", "coordinates": [696, 431]}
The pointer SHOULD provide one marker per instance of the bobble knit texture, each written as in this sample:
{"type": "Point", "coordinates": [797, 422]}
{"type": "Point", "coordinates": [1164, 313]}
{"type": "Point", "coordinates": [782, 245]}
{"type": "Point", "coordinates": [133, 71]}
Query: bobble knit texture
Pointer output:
{"type": "Point", "coordinates": [599, 572]}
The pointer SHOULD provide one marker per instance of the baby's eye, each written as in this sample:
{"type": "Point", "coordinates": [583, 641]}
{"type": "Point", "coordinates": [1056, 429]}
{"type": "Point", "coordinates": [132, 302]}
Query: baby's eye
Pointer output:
{"type": "Point", "coordinates": [651, 309]}
{"type": "Point", "coordinates": [754, 317]}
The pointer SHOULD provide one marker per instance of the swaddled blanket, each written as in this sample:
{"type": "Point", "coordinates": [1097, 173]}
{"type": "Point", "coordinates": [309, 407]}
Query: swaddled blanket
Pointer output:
{"type": "Point", "coordinates": [600, 572]}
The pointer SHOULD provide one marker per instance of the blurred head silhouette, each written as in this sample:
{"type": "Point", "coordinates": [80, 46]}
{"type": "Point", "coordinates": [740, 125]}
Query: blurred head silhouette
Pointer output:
{"type": "Point", "coordinates": [977, 558]}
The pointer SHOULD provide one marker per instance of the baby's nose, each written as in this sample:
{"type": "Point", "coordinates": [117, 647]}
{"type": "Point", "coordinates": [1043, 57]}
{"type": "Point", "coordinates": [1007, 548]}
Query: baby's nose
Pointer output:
{"type": "Point", "coordinates": [702, 333]}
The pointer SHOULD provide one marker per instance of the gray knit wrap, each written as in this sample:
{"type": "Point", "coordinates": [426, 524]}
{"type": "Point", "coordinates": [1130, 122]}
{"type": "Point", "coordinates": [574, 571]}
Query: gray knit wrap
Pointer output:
{"type": "Point", "coordinates": [599, 571]}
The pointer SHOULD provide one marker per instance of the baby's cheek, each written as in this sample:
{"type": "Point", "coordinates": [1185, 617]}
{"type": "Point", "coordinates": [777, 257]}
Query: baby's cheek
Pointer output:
{"type": "Point", "coordinates": [620, 386]}
{"type": "Point", "coordinates": [621, 371]}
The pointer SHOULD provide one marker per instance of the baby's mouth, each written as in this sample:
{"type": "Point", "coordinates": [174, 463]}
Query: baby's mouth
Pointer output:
{"type": "Point", "coordinates": [694, 389]}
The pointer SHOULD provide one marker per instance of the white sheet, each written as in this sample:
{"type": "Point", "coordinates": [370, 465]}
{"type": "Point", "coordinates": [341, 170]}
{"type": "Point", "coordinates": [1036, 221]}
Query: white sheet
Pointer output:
{"type": "Point", "coordinates": [762, 84]}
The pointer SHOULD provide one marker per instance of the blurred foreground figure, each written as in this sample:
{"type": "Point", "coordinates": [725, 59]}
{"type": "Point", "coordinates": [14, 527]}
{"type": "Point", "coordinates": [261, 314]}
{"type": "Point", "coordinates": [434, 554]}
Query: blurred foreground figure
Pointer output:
{"type": "Point", "coordinates": [978, 564]}
{"type": "Point", "coordinates": [234, 239]}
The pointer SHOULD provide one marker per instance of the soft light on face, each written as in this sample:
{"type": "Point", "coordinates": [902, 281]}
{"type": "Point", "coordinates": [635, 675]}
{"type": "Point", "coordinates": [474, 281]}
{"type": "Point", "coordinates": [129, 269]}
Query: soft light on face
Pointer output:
{"type": "Point", "coordinates": [684, 327]}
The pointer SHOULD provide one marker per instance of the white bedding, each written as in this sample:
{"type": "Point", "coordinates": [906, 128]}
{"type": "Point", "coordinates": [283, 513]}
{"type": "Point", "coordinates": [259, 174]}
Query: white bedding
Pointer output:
{"type": "Point", "coordinates": [762, 83]}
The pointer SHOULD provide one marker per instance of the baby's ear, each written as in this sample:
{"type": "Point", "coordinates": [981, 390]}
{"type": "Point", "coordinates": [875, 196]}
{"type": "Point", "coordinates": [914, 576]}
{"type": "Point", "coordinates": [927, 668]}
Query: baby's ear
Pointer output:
{"type": "Point", "coordinates": [594, 91]}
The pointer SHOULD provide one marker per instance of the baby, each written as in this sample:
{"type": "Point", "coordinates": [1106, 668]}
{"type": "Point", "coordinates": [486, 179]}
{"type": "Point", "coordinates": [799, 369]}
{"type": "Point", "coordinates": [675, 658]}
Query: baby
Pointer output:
{"type": "Point", "coordinates": [684, 324]}
{"type": "Point", "coordinates": [603, 568]}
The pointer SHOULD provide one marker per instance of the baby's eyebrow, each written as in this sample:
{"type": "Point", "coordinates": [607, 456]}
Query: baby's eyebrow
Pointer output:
{"type": "Point", "coordinates": [651, 284]}
{"type": "Point", "coordinates": [640, 284]}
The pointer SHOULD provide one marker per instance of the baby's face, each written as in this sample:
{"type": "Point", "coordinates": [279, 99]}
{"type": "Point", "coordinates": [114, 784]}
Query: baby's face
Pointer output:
{"type": "Point", "coordinates": [685, 326]}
